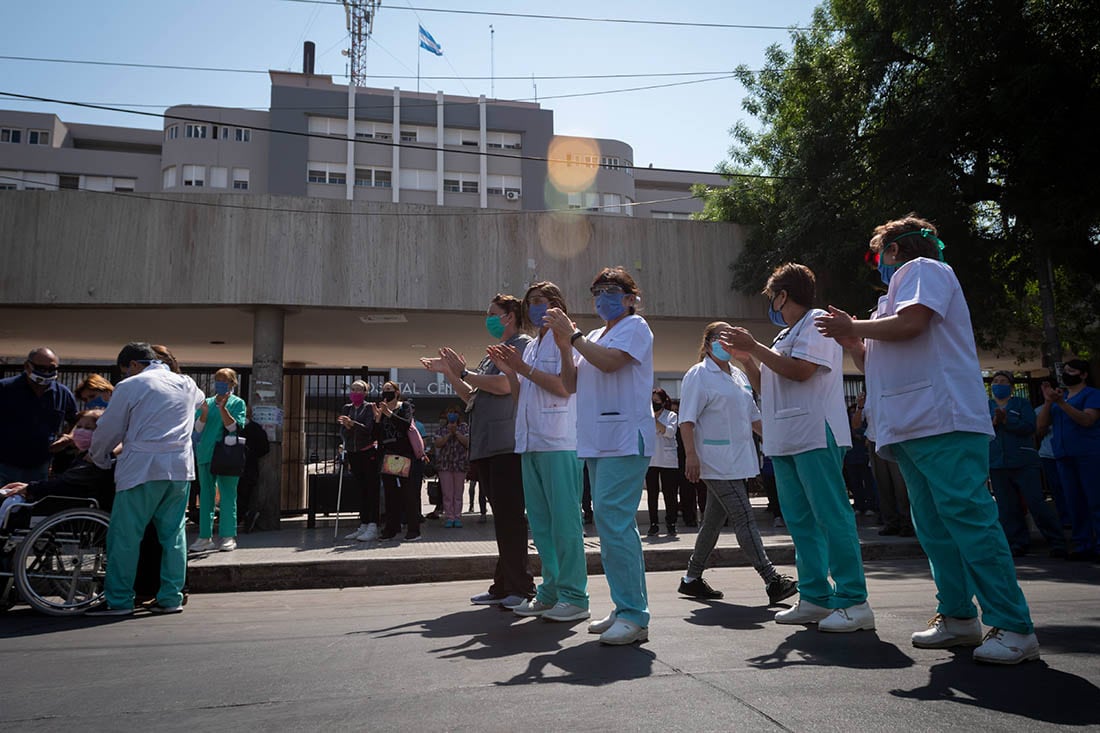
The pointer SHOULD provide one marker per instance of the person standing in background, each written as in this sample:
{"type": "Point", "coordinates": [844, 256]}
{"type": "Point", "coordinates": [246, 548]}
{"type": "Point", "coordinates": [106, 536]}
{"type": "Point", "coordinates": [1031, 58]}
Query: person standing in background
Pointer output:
{"type": "Point", "coordinates": [35, 410]}
{"type": "Point", "coordinates": [223, 414]}
{"type": "Point", "coordinates": [663, 474]}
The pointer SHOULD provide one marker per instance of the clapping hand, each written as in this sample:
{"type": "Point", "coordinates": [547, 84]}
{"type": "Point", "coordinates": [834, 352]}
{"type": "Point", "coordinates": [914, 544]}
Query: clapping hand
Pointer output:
{"type": "Point", "coordinates": [1050, 394]}
{"type": "Point", "coordinates": [454, 361]}
{"type": "Point", "coordinates": [836, 324]}
{"type": "Point", "coordinates": [506, 358]}
{"type": "Point", "coordinates": [562, 326]}
{"type": "Point", "coordinates": [737, 341]}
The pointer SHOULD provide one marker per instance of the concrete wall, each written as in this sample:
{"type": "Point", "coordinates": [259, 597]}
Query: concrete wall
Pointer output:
{"type": "Point", "coordinates": [77, 248]}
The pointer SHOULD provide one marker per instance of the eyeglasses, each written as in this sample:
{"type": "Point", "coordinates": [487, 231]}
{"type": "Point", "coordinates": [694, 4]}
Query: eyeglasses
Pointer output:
{"type": "Point", "coordinates": [598, 290]}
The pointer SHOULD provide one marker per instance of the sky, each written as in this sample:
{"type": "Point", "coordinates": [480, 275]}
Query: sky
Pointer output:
{"type": "Point", "coordinates": [684, 127]}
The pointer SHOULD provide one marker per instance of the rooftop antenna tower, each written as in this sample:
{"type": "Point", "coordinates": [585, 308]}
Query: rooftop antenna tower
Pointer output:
{"type": "Point", "coordinates": [360, 23]}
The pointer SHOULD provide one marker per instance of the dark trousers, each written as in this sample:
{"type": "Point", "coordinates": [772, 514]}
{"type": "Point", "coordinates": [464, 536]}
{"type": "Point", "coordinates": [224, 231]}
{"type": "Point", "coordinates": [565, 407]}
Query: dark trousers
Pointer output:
{"type": "Point", "coordinates": [662, 480]}
{"type": "Point", "coordinates": [502, 481]}
{"type": "Point", "coordinates": [364, 469]}
{"type": "Point", "coordinates": [402, 496]}
{"type": "Point", "coordinates": [861, 486]}
{"type": "Point", "coordinates": [586, 496]}
{"type": "Point", "coordinates": [690, 509]}
{"type": "Point", "coordinates": [770, 491]}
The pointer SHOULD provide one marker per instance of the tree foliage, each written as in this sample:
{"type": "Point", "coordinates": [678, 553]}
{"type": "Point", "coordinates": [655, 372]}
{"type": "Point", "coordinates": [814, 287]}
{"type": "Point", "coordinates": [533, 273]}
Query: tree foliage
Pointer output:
{"type": "Point", "coordinates": [981, 115]}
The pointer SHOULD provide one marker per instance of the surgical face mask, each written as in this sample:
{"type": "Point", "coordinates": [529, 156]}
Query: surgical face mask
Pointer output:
{"type": "Point", "coordinates": [1001, 391]}
{"type": "Point", "coordinates": [776, 317]}
{"type": "Point", "coordinates": [885, 272]}
{"type": "Point", "coordinates": [537, 313]}
{"type": "Point", "coordinates": [452, 417]}
{"type": "Point", "coordinates": [41, 375]}
{"type": "Point", "coordinates": [388, 396]}
{"type": "Point", "coordinates": [96, 403]}
{"type": "Point", "coordinates": [357, 398]}
{"type": "Point", "coordinates": [1071, 380]}
{"type": "Point", "coordinates": [495, 326]}
{"type": "Point", "coordinates": [82, 438]}
{"type": "Point", "coordinates": [719, 352]}
{"type": "Point", "coordinates": [222, 388]}
{"type": "Point", "coordinates": [609, 306]}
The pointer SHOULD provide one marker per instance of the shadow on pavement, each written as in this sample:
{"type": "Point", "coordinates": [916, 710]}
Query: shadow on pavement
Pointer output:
{"type": "Point", "coordinates": [729, 616]}
{"type": "Point", "coordinates": [858, 650]}
{"type": "Point", "coordinates": [590, 665]}
{"type": "Point", "coordinates": [1031, 690]}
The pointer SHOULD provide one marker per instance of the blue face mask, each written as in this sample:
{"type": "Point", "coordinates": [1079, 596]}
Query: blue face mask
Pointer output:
{"type": "Point", "coordinates": [609, 306]}
{"type": "Point", "coordinates": [452, 417]}
{"type": "Point", "coordinates": [494, 326]}
{"type": "Point", "coordinates": [537, 313]}
{"type": "Point", "coordinates": [1001, 391]}
{"type": "Point", "coordinates": [221, 388]}
{"type": "Point", "coordinates": [776, 317]}
{"type": "Point", "coordinates": [719, 353]}
{"type": "Point", "coordinates": [885, 272]}
{"type": "Point", "coordinates": [95, 403]}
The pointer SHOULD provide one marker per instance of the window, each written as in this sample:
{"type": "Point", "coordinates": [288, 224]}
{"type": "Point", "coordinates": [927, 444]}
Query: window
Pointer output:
{"type": "Point", "coordinates": [328, 126]}
{"type": "Point", "coordinates": [5, 186]}
{"type": "Point", "coordinates": [506, 140]}
{"type": "Point", "coordinates": [241, 178]}
{"type": "Point", "coordinates": [468, 138]}
{"type": "Point", "coordinates": [611, 203]}
{"type": "Point", "coordinates": [8, 135]}
{"type": "Point", "coordinates": [243, 135]}
{"type": "Point", "coordinates": [592, 201]}
{"type": "Point", "coordinates": [328, 173]}
{"type": "Point", "coordinates": [452, 185]}
{"type": "Point", "coordinates": [197, 132]}
{"type": "Point", "coordinates": [471, 138]}
{"type": "Point", "coordinates": [373, 177]}
{"type": "Point", "coordinates": [98, 183]}
{"type": "Point", "coordinates": [316, 176]}
{"type": "Point", "coordinates": [68, 182]}
{"type": "Point", "coordinates": [469, 187]}
{"type": "Point", "coordinates": [498, 185]}
{"type": "Point", "coordinates": [418, 180]}
{"type": "Point", "coordinates": [168, 179]}
{"type": "Point", "coordinates": [574, 200]}
{"type": "Point", "coordinates": [194, 175]}
{"type": "Point", "coordinates": [383, 179]}
{"type": "Point", "coordinates": [224, 133]}
{"type": "Point", "coordinates": [408, 136]}
{"type": "Point", "coordinates": [678, 215]}
{"type": "Point", "coordinates": [219, 177]}
{"type": "Point", "coordinates": [339, 177]}
{"type": "Point", "coordinates": [38, 137]}
{"type": "Point", "coordinates": [172, 132]}
{"type": "Point", "coordinates": [125, 185]}
{"type": "Point", "coordinates": [366, 130]}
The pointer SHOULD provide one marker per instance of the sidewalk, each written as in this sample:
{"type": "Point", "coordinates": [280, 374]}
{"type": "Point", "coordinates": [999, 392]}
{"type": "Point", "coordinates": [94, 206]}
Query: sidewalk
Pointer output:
{"type": "Point", "coordinates": [296, 558]}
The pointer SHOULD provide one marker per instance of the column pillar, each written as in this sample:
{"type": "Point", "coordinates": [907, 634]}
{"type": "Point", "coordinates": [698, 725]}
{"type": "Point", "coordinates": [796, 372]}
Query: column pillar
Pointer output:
{"type": "Point", "coordinates": [268, 324]}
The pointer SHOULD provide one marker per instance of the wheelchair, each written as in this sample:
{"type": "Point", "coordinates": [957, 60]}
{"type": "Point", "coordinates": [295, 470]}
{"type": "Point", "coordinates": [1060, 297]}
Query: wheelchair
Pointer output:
{"type": "Point", "coordinates": [53, 555]}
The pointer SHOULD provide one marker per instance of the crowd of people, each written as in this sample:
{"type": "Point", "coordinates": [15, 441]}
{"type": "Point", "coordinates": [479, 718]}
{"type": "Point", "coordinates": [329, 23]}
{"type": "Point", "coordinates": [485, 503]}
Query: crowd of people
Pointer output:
{"type": "Point", "coordinates": [553, 415]}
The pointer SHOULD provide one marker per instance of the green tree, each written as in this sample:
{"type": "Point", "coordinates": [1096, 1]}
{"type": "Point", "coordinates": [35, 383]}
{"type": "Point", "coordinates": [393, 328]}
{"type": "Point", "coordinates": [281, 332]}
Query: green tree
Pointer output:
{"type": "Point", "coordinates": [978, 114]}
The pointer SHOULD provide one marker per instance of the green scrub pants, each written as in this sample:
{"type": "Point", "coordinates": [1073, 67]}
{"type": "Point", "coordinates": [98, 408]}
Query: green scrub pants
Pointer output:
{"type": "Point", "coordinates": [165, 504]}
{"type": "Point", "coordinates": [227, 515]}
{"type": "Point", "coordinates": [957, 525]}
{"type": "Point", "coordinates": [552, 487]}
{"type": "Point", "coordinates": [616, 491]}
{"type": "Point", "coordinates": [814, 500]}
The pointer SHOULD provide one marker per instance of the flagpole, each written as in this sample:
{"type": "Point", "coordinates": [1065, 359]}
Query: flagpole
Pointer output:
{"type": "Point", "coordinates": [418, 61]}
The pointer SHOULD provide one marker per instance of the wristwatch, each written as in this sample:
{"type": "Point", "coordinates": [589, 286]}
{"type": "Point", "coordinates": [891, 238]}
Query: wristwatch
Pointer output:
{"type": "Point", "coordinates": [464, 374]}
{"type": "Point", "coordinates": [576, 335]}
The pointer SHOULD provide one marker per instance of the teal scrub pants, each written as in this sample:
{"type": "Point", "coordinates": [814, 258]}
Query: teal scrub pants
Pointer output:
{"type": "Point", "coordinates": [227, 516]}
{"type": "Point", "coordinates": [552, 487]}
{"type": "Point", "coordinates": [165, 504]}
{"type": "Point", "coordinates": [957, 525]}
{"type": "Point", "coordinates": [616, 491]}
{"type": "Point", "coordinates": [814, 500]}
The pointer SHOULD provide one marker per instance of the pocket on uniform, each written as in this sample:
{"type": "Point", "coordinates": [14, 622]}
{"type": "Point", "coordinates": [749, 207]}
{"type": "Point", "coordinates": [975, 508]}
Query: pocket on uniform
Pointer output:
{"type": "Point", "coordinates": [555, 422]}
{"type": "Point", "coordinates": [612, 433]}
{"type": "Point", "coordinates": [912, 407]}
{"type": "Point", "coordinates": [791, 412]}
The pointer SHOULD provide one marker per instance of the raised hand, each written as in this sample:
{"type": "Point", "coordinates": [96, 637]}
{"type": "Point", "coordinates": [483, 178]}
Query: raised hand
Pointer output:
{"type": "Point", "coordinates": [455, 362]}
{"type": "Point", "coordinates": [836, 324]}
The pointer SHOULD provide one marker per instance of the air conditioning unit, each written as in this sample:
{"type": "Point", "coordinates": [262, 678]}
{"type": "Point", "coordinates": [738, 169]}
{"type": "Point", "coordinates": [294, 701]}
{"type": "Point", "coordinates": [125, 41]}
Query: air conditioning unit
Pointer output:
{"type": "Point", "coordinates": [512, 195]}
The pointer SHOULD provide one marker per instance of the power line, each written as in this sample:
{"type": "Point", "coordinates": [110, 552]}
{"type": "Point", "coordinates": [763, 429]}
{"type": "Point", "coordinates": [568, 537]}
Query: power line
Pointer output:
{"type": "Point", "coordinates": [198, 201]}
{"type": "Point", "coordinates": [383, 143]}
{"type": "Point", "coordinates": [584, 19]}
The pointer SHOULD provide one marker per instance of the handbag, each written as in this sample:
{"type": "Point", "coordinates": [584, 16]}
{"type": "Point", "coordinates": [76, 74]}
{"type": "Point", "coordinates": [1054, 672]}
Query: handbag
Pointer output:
{"type": "Point", "coordinates": [395, 465]}
{"type": "Point", "coordinates": [229, 458]}
{"type": "Point", "coordinates": [435, 493]}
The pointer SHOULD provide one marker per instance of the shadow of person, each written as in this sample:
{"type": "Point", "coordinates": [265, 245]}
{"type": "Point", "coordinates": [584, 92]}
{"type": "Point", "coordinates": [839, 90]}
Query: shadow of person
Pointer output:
{"type": "Point", "coordinates": [1030, 690]}
{"type": "Point", "coordinates": [729, 616]}
{"type": "Point", "coordinates": [590, 665]}
{"type": "Point", "coordinates": [858, 650]}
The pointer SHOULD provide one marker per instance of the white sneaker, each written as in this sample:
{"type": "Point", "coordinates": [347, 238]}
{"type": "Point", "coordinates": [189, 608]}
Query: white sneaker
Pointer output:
{"type": "Point", "coordinates": [369, 533]}
{"type": "Point", "coordinates": [853, 618]}
{"type": "Point", "coordinates": [605, 623]}
{"type": "Point", "coordinates": [533, 607]}
{"type": "Point", "coordinates": [944, 632]}
{"type": "Point", "coordinates": [624, 632]}
{"type": "Point", "coordinates": [566, 612]}
{"type": "Point", "coordinates": [802, 612]}
{"type": "Point", "coordinates": [1007, 647]}
{"type": "Point", "coordinates": [228, 544]}
{"type": "Point", "coordinates": [202, 545]}
{"type": "Point", "coordinates": [355, 535]}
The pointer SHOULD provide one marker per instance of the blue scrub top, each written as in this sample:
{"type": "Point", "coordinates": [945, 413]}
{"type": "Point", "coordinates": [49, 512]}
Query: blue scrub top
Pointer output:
{"type": "Point", "coordinates": [1071, 439]}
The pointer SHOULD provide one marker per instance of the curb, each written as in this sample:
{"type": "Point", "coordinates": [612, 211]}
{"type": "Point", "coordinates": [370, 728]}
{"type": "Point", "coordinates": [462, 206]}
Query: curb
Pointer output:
{"type": "Point", "coordinates": [446, 568]}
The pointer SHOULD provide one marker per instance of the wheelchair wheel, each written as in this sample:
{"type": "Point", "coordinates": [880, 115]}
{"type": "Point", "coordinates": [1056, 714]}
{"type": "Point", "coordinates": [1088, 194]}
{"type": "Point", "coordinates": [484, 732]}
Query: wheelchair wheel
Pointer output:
{"type": "Point", "coordinates": [60, 566]}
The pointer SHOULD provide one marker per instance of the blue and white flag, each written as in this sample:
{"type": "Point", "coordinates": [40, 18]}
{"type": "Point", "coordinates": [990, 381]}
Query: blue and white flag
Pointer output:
{"type": "Point", "coordinates": [428, 43]}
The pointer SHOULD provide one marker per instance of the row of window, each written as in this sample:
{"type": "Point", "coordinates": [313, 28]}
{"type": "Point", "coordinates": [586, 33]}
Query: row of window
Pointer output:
{"type": "Point", "coordinates": [414, 179]}
{"type": "Point", "coordinates": [15, 135]}
{"type": "Point", "coordinates": [607, 162]}
{"type": "Point", "coordinates": [32, 181]}
{"type": "Point", "coordinates": [367, 130]}
{"type": "Point", "coordinates": [216, 132]}
{"type": "Point", "coordinates": [195, 176]}
{"type": "Point", "coordinates": [613, 203]}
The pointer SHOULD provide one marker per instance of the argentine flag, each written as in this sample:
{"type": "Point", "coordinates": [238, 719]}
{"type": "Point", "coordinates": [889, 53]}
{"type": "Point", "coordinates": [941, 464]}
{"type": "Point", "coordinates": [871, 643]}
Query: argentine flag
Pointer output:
{"type": "Point", "coordinates": [428, 43]}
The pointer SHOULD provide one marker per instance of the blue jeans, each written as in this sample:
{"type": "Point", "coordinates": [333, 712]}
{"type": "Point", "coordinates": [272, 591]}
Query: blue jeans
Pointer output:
{"type": "Point", "coordinates": [1081, 482]}
{"type": "Point", "coordinates": [1009, 486]}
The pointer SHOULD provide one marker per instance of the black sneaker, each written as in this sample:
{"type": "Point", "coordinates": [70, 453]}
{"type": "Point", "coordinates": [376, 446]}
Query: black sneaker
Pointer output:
{"type": "Point", "coordinates": [654, 530]}
{"type": "Point", "coordinates": [672, 530]}
{"type": "Point", "coordinates": [698, 588]}
{"type": "Point", "coordinates": [782, 587]}
{"type": "Point", "coordinates": [410, 537]}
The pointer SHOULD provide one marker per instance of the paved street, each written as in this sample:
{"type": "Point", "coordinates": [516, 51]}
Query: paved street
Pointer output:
{"type": "Point", "coordinates": [420, 658]}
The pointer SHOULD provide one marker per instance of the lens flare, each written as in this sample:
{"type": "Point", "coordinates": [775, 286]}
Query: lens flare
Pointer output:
{"type": "Point", "coordinates": [573, 163]}
{"type": "Point", "coordinates": [563, 235]}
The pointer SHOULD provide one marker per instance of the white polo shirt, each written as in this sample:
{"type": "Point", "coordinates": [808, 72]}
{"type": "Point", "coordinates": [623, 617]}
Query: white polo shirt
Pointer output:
{"type": "Point", "coordinates": [795, 413]}
{"type": "Point", "coordinates": [664, 451]}
{"type": "Point", "coordinates": [613, 409]}
{"type": "Point", "coordinates": [722, 409]}
{"type": "Point", "coordinates": [930, 384]}
{"type": "Point", "coordinates": [544, 421]}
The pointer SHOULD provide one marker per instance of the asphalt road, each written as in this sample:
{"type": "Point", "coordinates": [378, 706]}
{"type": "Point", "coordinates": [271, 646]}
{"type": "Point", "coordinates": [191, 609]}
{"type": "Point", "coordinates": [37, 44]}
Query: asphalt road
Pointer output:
{"type": "Point", "coordinates": [420, 658]}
